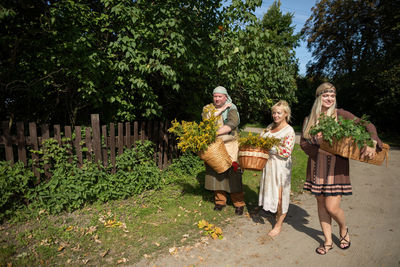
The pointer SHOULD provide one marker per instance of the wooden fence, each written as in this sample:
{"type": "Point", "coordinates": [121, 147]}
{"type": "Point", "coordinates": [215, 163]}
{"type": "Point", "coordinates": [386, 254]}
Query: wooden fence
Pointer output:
{"type": "Point", "coordinates": [102, 143]}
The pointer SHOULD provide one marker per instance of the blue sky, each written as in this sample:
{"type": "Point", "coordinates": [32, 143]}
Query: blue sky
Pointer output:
{"type": "Point", "coordinates": [302, 11]}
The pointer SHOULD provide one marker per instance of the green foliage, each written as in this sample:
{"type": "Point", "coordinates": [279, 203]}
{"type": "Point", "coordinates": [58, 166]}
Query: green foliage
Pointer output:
{"type": "Point", "coordinates": [355, 44]}
{"type": "Point", "coordinates": [343, 128]}
{"type": "Point", "coordinates": [256, 60]}
{"type": "Point", "coordinates": [256, 141]}
{"type": "Point", "coordinates": [71, 187]}
{"type": "Point", "coordinates": [15, 182]}
{"type": "Point", "coordinates": [187, 164]}
{"type": "Point", "coordinates": [138, 59]}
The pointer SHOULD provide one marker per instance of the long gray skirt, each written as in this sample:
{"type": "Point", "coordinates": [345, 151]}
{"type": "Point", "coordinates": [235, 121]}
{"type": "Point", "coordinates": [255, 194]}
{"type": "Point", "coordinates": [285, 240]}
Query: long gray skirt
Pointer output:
{"type": "Point", "coordinates": [229, 181]}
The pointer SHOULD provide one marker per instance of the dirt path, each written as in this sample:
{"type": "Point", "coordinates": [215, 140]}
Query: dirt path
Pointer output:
{"type": "Point", "coordinates": [373, 217]}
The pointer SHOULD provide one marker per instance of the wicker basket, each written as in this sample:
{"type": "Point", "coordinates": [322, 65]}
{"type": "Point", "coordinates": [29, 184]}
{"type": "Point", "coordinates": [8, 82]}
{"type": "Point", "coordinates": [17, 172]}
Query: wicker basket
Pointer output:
{"type": "Point", "coordinates": [217, 157]}
{"type": "Point", "coordinates": [345, 147]}
{"type": "Point", "coordinates": [252, 158]}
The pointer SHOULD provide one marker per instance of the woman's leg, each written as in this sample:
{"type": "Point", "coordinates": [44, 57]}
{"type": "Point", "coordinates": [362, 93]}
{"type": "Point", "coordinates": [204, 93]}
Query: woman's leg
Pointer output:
{"type": "Point", "coordinates": [325, 219]}
{"type": "Point", "coordinates": [279, 217]}
{"type": "Point", "coordinates": [332, 204]}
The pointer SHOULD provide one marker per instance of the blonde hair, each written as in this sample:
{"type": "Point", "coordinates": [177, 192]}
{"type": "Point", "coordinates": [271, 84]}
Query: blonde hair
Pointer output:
{"type": "Point", "coordinates": [312, 119]}
{"type": "Point", "coordinates": [285, 106]}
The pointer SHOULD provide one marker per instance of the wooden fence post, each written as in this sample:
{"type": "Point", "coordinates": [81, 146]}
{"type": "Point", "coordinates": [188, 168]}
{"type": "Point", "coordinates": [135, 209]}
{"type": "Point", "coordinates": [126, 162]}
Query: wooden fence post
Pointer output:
{"type": "Point", "coordinates": [128, 140]}
{"type": "Point", "coordinates": [112, 145]}
{"type": "Point", "coordinates": [88, 141]}
{"type": "Point", "coordinates": [57, 133]}
{"type": "Point", "coordinates": [96, 137]}
{"type": "Point", "coordinates": [135, 132]}
{"type": "Point", "coordinates": [21, 143]}
{"type": "Point", "coordinates": [8, 142]}
{"type": "Point", "coordinates": [34, 142]}
{"type": "Point", "coordinates": [77, 144]}
{"type": "Point", "coordinates": [120, 138]}
{"type": "Point", "coordinates": [104, 148]}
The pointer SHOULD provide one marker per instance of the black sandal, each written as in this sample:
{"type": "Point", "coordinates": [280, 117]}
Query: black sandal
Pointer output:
{"type": "Point", "coordinates": [343, 240]}
{"type": "Point", "coordinates": [323, 249]}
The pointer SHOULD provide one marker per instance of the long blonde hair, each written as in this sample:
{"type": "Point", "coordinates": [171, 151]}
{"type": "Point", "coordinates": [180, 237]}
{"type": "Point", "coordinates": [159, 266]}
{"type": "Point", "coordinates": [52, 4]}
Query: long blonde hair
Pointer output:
{"type": "Point", "coordinates": [312, 119]}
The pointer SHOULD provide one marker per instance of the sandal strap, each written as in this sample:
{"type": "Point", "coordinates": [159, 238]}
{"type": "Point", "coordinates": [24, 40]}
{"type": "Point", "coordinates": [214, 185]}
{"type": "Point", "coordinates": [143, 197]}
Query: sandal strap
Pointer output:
{"type": "Point", "coordinates": [343, 238]}
{"type": "Point", "coordinates": [324, 248]}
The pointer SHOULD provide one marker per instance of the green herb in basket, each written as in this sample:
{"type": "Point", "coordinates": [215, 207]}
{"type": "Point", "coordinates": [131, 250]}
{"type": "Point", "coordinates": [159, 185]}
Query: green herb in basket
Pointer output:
{"type": "Point", "coordinates": [256, 141]}
{"type": "Point", "coordinates": [332, 129]}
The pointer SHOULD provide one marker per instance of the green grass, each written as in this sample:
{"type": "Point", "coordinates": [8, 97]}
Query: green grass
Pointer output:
{"type": "Point", "coordinates": [256, 125]}
{"type": "Point", "coordinates": [148, 224]}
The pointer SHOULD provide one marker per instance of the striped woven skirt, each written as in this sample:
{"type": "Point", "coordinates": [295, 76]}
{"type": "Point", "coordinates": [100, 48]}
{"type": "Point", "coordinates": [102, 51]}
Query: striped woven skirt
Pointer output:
{"type": "Point", "coordinates": [322, 179]}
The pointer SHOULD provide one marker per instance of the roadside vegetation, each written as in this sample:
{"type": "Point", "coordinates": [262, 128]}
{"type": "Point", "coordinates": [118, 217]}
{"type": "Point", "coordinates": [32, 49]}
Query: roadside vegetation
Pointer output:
{"type": "Point", "coordinates": [119, 230]}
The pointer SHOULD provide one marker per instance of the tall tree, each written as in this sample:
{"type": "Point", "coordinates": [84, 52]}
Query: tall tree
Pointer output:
{"type": "Point", "coordinates": [356, 45]}
{"type": "Point", "coordinates": [257, 61]}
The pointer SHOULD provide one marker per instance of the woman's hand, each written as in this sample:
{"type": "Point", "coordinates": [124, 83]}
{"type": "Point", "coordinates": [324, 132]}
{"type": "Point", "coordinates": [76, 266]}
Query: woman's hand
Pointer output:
{"type": "Point", "coordinates": [273, 151]}
{"type": "Point", "coordinates": [318, 138]}
{"type": "Point", "coordinates": [368, 152]}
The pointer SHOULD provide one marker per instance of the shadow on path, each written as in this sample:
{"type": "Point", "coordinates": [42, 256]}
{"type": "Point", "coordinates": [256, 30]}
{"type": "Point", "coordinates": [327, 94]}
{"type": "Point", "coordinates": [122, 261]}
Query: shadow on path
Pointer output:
{"type": "Point", "coordinates": [297, 217]}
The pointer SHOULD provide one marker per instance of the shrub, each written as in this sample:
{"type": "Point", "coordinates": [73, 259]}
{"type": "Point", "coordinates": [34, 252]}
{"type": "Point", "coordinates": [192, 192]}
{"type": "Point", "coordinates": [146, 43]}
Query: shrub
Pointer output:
{"type": "Point", "coordinates": [187, 164]}
{"type": "Point", "coordinates": [14, 184]}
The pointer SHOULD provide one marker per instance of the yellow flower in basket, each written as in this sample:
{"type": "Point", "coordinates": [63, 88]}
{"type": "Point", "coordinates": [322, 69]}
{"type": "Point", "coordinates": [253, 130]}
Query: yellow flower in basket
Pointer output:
{"type": "Point", "coordinates": [201, 138]}
{"type": "Point", "coordinates": [253, 151]}
{"type": "Point", "coordinates": [193, 136]}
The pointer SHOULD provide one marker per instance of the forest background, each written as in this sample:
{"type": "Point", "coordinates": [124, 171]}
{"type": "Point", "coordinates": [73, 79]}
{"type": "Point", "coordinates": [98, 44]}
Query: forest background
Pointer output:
{"type": "Point", "coordinates": [142, 60]}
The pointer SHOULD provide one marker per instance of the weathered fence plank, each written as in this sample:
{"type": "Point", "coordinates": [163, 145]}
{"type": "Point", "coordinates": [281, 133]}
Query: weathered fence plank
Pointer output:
{"type": "Point", "coordinates": [112, 145]}
{"type": "Point", "coordinates": [88, 141]}
{"type": "Point", "coordinates": [104, 152]}
{"type": "Point", "coordinates": [120, 138]}
{"type": "Point", "coordinates": [77, 145]}
{"type": "Point", "coordinates": [96, 137]}
{"type": "Point", "coordinates": [34, 143]}
{"type": "Point", "coordinates": [8, 142]}
{"type": "Point", "coordinates": [57, 133]}
{"type": "Point", "coordinates": [21, 143]}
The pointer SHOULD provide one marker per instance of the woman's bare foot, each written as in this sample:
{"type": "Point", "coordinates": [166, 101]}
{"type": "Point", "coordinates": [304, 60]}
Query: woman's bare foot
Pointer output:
{"type": "Point", "coordinates": [275, 231]}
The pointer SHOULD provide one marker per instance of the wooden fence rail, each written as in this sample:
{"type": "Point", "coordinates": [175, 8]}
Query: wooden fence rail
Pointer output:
{"type": "Point", "coordinates": [102, 143]}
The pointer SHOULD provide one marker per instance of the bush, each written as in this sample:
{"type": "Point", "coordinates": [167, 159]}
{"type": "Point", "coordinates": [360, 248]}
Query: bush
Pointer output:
{"type": "Point", "coordinates": [187, 164]}
{"type": "Point", "coordinates": [70, 186]}
{"type": "Point", "coordinates": [14, 184]}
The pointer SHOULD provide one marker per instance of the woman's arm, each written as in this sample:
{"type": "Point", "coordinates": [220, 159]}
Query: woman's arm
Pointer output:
{"type": "Point", "coordinates": [309, 148]}
{"type": "Point", "coordinates": [285, 149]}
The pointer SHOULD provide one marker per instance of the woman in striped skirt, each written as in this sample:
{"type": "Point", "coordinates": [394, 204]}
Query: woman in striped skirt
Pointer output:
{"type": "Point", "coordinates": [327, 174]}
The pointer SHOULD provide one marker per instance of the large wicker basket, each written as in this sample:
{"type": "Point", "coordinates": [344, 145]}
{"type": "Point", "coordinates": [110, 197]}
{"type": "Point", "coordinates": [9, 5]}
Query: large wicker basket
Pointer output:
{"type": "Point", "coordinates": [252, 158]}
{"type": "Point", "coordinates": [345, 147]}
{"type": "Point", "coordinates": [217, 157]}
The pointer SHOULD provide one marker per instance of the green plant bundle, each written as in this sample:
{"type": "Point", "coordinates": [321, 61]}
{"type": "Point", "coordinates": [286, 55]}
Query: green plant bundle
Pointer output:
{"type": "Point", "coordinates": [343, 128]}
{"type": "Point", "coordinates": [256, 141]}
{"type": "Point", "coordinates": [193, 136]}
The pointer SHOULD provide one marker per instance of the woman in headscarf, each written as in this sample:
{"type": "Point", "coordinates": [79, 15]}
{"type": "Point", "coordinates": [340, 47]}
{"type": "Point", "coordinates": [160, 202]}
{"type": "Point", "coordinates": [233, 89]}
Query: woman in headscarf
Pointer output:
{"type": "Point", "coordinates": [229, 182]}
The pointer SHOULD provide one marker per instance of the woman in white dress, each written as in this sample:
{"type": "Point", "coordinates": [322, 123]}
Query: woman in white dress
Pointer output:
{"type": "Point", "coordinates": [276, 177]}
